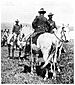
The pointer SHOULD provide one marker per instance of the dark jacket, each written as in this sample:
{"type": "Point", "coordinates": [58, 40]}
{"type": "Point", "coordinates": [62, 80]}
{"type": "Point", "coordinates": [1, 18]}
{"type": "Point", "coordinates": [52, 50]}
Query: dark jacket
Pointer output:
{"type": "Point", "coordinates": [52, 25]}
{"type": "Point", "coordinates": [16, 29]}
{"type": "Point", "coordinates": [40, 24]}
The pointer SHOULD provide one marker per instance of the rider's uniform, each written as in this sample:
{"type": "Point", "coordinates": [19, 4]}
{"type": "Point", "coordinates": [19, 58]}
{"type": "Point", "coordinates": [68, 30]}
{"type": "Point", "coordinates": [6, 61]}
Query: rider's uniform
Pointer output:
{"type": "Point", "coordinates": [63, 33]}
{"type": "Point", "coordinates": [40, 25]}
{"type": "Point", "coordinates": [16, 29]}
{"type": "Point", "coordinates": [52, 25]}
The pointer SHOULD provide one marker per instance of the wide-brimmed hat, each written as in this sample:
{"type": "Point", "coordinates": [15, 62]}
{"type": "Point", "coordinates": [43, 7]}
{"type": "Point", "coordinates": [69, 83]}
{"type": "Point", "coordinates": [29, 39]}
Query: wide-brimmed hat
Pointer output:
{"type": "Point", "coordinates": [42, 11]}
{"type": "Point", "coordinates": [50, 14]}
{"type": "Point", "coordinates": [17, 20]}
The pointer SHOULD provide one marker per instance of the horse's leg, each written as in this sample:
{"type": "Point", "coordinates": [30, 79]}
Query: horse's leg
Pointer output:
{"type": "Point", "coordinates": [19, 53]}
{"type": "Point", "coordinates": [55, 61]}
{"type": "Point", "coordinates": [45, 56]}
{"type": "Point", "coordinates": [32, 65]}
{"type": "Point", "coordinates": [59, 56]}
{"type": "Point", "coordinates": [47, 59]}
{"type": "Point", "coordinates": [4, 43]}
{"type": "Point", "coordinates": [51, 67]}
{"type": "Point", "coordinates": [37, 59]}
{"type": "Point", "coordinates": [46, 75]}
{"type": "Point", "coordinates": [1, 44]}
{"type": "Point", "coordinates": [60, 52]}
{"type": "Point", "coordinates": [16, 45]}
{"type": "Point", "coordinates": [9, 48]}
{"type": "Point", "coordinates": [13, 51]}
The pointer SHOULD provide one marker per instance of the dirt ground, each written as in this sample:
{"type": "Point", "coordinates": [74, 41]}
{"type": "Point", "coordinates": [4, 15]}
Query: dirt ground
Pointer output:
{"type": "Point", "coordinates": [12, 73]}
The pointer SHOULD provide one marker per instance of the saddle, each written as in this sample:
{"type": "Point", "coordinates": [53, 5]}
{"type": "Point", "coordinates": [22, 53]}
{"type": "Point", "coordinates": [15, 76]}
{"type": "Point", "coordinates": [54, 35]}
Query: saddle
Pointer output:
{"type": "Point", "coordinates": [35, 35]}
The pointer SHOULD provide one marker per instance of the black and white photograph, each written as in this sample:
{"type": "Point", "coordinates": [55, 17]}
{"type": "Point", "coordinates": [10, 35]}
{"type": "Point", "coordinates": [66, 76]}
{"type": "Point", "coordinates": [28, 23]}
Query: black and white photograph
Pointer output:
{"type": "Point", "coordinates": [37, 41]}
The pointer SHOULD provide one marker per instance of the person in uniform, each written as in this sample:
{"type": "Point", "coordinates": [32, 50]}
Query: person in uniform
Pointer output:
{"type": "Point", "coordinates": [40, 24]}
{"type": "Point", "coordinates": [52, 24]}
{"type": "Point", "coordinates": [1, 33]}
{"type": "Point", "coordinates": [16, 31]}
{"type": "Point", "coordinates": [5, 33]}
{"type": "Point", "coordinates": [16, 28]}
{"type": "Point", "coordinates": [63, 32]}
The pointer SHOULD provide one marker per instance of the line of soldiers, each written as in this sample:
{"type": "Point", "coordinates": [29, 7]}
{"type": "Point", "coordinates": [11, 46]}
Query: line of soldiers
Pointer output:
{"type": "Point", "coordinates": [40, 24]}
{"type": "Point", "coordinates": [5, 33]}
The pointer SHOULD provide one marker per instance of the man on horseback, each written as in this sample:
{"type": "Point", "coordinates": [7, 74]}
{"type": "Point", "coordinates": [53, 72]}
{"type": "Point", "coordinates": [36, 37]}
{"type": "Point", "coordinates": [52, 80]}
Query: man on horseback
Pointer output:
{"type": "Point", "coordinates": [16, 28]}
{"type": "Point", "coordinates": [52, 24]}
{"type": "Point", "coordinates": [16, 31]}
{"type": "Point", "coordinates": [40, 24]}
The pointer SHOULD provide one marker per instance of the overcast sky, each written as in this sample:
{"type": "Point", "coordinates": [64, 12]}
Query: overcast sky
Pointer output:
{"type": "Point", "coordinates": [26, 10]}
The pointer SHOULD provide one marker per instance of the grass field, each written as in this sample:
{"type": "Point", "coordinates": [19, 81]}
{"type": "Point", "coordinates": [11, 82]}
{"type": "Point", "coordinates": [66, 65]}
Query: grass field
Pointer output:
{"type": "Point", "coordinates": [12, 73]}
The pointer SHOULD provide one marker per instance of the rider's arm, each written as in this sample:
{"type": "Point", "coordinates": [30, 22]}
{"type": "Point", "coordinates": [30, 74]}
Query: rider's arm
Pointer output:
{"type": "Point", "coordinates": [13, 29]}
{"type": "Point", "coordinates": [47, 22]}
{"type": "Point", "coordinates": [34, 23]}
{"type": "Point", "coordinates": [55, 26]}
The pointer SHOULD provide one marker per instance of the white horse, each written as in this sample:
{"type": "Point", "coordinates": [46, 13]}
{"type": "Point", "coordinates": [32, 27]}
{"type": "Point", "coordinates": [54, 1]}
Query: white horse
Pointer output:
{"type": "Point", "coordinates": [21, 39]}
{"type": "Point", "coordinates": [4, 38]}
{"type": "Point", "coordinates": [45, 41]}
{"type": "Point", "coordinates": [12, 42]}
{"type": "Point", "coordinates": [25, 33]}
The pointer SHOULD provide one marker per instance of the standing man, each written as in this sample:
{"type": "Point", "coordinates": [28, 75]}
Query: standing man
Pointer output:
{"type": "Point", "coordinates": [40, 24]}
{"type": "Point", "coordinates": [63, 32]}
{"type": "Point", "coordinates": [52, 24]}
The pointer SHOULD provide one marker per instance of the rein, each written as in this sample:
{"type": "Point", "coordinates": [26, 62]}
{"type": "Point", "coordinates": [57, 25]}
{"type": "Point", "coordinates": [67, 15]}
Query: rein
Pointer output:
{"type": "Point", "coordinates": [58, 38]}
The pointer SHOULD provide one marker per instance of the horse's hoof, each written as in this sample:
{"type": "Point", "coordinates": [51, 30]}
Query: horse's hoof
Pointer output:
{"type": "Point", "coordinates": [45, 78]}
{"type": "Point", "coordinates": [8, 57]}
{"type": "Point", "coordinates": [58, 69]}
{"type": "Point", "coordinates": [51, 71]}
{"type": "Point", "coordinates": [19, 60]}
{"type": "Point", "coordinates": [32, 73]}
{"type": "Point", "coordinates": [54, 74]}
{"type": "Point", "coordinates": [66, 41]}
{"type": "Point", "coordinates": [42, 67]}
{"type": "Point", "coordinates": [27, 54]}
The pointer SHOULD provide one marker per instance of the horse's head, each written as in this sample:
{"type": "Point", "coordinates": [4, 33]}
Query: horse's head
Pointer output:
{"type": "Point", "coordinates": [21, 37]}
{"type": "Point", "coordinates": [25, 32]}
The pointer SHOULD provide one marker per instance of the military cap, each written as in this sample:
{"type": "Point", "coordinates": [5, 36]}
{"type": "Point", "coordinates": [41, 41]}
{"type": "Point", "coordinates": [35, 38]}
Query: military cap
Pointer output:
{"type": "Point", "coordinates": [17, 20]}
{"type": "Point", "coordinates": [50, 14]}
{"type": "Point", "coordinates": [42, 11]}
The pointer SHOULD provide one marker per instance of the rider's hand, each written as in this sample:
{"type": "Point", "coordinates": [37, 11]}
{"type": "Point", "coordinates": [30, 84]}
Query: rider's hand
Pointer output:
{"type": "Point", "coordinates": [52, 31]}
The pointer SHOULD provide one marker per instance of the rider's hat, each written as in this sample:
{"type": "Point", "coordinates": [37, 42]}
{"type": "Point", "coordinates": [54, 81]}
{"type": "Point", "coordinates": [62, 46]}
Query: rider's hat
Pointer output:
{"type": "Point", "coordinates": [50, 14]}
{"type": "Point", "coordinates": [17, 21]}
{"type": "Point", "coordinates": [42, 11]}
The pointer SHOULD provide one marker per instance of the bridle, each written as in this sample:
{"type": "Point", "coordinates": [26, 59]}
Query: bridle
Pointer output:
{"type": "Point", "coordinates": [61, 40]}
